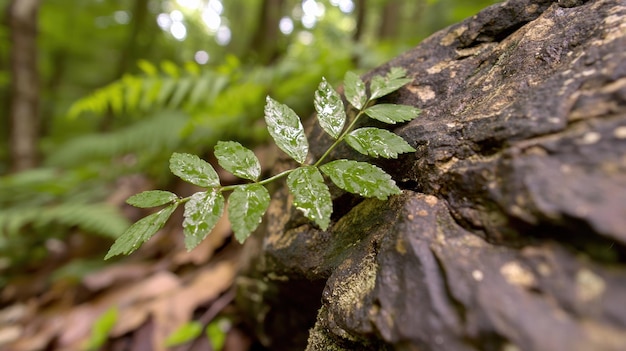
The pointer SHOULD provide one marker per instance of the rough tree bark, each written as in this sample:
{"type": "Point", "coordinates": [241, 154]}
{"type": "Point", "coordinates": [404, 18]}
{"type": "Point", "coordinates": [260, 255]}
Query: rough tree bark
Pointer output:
{"type": "Point", "coordinates": [510, 233]}
{"type": "Point", "coordinates": [24, 110]}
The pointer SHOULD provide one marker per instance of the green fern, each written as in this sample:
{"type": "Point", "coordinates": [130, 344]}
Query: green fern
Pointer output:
{"type": "Point", "coordinates": [44, 186]}
{"type": "Point", "coordinates": [46, 203]}
{"type": "Point", "coordinates": [208, 105]}
{"type": "Point", "coordinates": [157, 135]}
{"type": "Point", "coordinates": [170, 88]}
{"type": "Point", "coordinates": [25, 231]}
{"type": "Point", "coordinates": [99, 218]}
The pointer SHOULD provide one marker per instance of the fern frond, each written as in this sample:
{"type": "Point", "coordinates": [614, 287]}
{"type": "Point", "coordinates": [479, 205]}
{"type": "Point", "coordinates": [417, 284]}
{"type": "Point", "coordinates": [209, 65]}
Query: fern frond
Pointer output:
{"type": "Point", "coordinates": [100, 219]}
{"type": "Point", "coordinates": [38, 186]}
{"type": "Point", "coordinates": [150, 136]}
{"type": "Point", "coordinates": [171, 89]}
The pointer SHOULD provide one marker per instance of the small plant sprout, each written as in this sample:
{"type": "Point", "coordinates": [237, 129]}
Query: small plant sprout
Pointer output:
{"type": "Point", "coordinates": [248, 202]}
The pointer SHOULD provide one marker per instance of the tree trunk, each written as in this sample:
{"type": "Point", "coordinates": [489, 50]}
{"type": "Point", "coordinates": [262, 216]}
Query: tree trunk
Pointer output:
{"type": "Point", "coordinates": [133, 47]}
{"type": "Point", "coordinates": [361, 7]}
{"type": "Point", "coordinates": [265, 40]}
{"type": "Point", "coordinates": [390, 20]}
{"type": "Point", "coordinates": [129, 54]}
{"type": "Point", "coordinates": [24, 101]}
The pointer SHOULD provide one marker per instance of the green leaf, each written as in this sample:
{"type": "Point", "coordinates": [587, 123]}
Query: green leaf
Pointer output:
{"type": "Point", "coordinates": [202, 212]}
{"type": "Point", "coordinates": [396, 73]}
{"type": "Point", "coordinates": [101, 328]}
{"type": "Point", "coordinates": [393, 81]}
{"type": "Point", "coordinates": [147, 67]}
{"type": "Point", "coordinates": [170, 68]}
{"type": "Point", "coordinates": [167, 86]}
{"type": "Point", "coordinates": [286, 129]}
{"type": "Point", "coordinates": [354, 89]}
{"type": "Point", "coordinates": [183, 87]}
{"type": "Point", "coordinates": [192, 169]}
{"type": "Point", "coordinates": [133, 91]}
{"type": "Point", "coordinates": [140, 232]}
{"type": "Point", "coordinates": [151, 198]}
{"type": "Point", "coordinates": [200, 89]}
{"type": "Point", "coordinates": [392, 113]}
{"type": "Point", "coordinates": [238, 160]}
{"type": "Point", "coordinates": [330, 110]}
{"type": "Point", "coordinates": [216, 332]}
{"type": "Point", "coordinates": [246, 206]}
{"type": "Point", "coordinates": [377, 142]}
{"type": "Point", "coordinates": [361, 178]}
{"type": "Point", "coordinates": [151, 88]}
{"type": "Point", "coordinates": [311, 195]}
{"type": "Point", "coordinates": [187, 332]}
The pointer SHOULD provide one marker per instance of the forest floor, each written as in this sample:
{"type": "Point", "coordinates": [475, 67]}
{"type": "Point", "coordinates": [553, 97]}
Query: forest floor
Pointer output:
{"type": "Point", "coordinates": [137, 302]}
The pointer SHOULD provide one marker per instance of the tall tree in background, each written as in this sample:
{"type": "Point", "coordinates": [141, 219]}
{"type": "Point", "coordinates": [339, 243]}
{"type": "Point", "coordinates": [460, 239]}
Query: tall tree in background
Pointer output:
{"type": "Point", "coordinates": [133, 47]}
{"type": "Point", "coordinates": [24, 100]}
{"type": "Point", "coordinates": [264, 42]}
{"type": "Point", "coordinates": [360, 20]}
{"type": "Point", "coordinates": [390, 20]}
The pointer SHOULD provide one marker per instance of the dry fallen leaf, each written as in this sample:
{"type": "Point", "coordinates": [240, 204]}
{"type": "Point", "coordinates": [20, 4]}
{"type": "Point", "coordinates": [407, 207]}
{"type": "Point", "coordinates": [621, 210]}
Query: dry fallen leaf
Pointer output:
{"type": "Point", "coordinates": [171, 311]}
{"type": "Point", "coordinates": [83, 317]}
{"type": "Point", "coordinates": [116, 274]}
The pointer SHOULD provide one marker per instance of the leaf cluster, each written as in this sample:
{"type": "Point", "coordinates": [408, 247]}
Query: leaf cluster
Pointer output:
{"type": "Point", "coordinates": [248, 202]}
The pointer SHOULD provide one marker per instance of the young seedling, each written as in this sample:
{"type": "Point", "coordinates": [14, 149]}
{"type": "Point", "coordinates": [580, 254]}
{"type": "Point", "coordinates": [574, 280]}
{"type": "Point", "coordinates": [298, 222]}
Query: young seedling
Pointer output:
{"type": "Point", "coordinates": [248, 202]}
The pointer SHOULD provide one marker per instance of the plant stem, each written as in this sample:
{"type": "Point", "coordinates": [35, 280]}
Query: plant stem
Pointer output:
{"type": "Point", "coordinates": [233, 187]}
{"type": "Point", "coordinates": [264, 181]}
{"type": "Point", "coordinates": [342, 136]}
{"type": "Point", "coordinates": [277, 176]}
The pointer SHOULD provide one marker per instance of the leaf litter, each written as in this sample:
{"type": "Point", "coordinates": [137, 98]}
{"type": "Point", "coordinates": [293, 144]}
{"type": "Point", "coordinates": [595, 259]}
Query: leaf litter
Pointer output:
{"type": "Point", "coordinates": [155, 293]}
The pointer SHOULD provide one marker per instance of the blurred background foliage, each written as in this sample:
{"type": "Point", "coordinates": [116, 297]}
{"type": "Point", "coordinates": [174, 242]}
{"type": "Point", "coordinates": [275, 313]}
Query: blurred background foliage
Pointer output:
{"type": "Point", "coordinates": [121, 84]}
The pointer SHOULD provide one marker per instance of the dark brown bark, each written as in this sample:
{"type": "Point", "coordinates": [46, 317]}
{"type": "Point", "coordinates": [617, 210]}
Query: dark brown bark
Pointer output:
{"type": "Point", "coordinates": [24, 101]}
{"type": "Point", "coordinates": [510, 232]}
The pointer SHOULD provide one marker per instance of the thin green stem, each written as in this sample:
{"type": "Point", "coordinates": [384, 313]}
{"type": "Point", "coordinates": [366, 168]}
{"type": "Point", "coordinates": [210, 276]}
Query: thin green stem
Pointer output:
{"type": "Point", "coordinates": [262, 182]}
{"type": "Point", "coordinates": [233, 187]}
{"type": "Point", "coordinates": [277, 176]}
{"type": "Point", "coordinates": [342, 136]}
